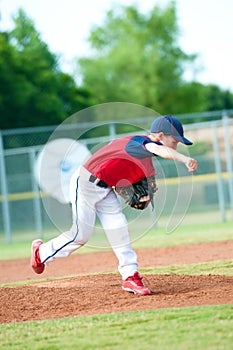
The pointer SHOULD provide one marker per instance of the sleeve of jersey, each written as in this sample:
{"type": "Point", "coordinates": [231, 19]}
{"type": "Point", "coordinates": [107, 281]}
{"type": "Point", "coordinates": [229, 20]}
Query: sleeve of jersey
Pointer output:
{"type": "Point", "coordinates": [136, 147]}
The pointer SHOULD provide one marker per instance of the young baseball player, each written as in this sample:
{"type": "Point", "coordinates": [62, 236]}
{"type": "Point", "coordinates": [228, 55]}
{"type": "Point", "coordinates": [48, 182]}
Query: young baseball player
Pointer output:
{"type": "Point", "coordinates": [123, 162]}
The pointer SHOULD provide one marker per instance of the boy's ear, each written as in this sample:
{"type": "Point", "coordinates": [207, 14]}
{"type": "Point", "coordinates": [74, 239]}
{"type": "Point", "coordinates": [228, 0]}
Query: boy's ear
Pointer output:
{"type": "Point", "coordinates": [160, 135]}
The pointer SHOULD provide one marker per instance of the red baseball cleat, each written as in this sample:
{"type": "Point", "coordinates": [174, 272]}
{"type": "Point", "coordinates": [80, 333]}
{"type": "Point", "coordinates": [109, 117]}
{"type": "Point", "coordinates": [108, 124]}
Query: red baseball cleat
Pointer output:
{"type": "Point", "coordinates": [134, 285]}
{"type": "Point", "coordinates": [36, 263]}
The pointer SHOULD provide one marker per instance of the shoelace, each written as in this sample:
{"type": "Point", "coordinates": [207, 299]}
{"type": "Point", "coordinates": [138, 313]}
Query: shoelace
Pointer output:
{"type": "Point", "coordinates": [138, 280]}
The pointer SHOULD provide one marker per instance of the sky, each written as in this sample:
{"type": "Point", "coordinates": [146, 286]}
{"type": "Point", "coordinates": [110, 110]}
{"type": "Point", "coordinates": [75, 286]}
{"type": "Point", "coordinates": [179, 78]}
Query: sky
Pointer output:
{"type": "Point", "coordinates": [206, 28]}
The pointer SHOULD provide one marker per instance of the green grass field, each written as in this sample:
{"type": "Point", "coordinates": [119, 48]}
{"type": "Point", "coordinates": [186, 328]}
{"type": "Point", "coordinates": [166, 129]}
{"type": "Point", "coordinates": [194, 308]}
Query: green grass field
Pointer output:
{"type": "Point", "coordinates": [209, 328]}
{"type": "Point", "coordinates": [156, 237]}
{"type": "Point", "coordinates": [206, 327]}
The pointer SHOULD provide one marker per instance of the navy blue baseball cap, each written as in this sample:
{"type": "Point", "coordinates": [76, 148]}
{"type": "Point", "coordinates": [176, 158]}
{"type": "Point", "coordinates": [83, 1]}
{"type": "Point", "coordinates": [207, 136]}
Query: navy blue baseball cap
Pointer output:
{"type": "Point", "coordinates": [170, 126]}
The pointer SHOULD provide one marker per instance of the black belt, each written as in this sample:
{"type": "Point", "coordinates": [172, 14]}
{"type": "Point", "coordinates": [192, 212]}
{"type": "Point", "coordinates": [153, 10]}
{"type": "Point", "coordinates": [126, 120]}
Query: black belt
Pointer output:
{"type": "Point", "coordinates": [97, 182]}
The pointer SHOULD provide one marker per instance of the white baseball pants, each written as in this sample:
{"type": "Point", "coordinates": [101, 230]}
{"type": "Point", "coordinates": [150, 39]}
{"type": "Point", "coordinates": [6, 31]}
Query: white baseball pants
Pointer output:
{"type": "Point", "coordinates": [87, 200]}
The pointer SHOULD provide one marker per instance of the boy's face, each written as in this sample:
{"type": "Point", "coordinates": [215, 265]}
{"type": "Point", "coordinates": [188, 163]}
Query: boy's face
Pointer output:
{"type": "Point", "coordinates": [169, 141]}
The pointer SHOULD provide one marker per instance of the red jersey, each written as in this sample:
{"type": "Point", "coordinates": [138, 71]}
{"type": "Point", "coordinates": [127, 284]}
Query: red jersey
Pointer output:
{"type": "Point", "coordinates": [123, 161]}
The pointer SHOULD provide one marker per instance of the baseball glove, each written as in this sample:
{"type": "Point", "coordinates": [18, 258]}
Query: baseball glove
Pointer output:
{"type": "Point", "coordinates": [132, 194]}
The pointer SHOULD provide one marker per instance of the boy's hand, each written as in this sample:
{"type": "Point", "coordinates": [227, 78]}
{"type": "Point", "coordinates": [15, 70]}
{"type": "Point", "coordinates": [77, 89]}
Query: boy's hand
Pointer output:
{"type": "Point", "coordinates": [192, 165]}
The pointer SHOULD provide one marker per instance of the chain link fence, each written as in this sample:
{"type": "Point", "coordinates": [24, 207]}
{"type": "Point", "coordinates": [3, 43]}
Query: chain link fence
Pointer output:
{"type": "Point", "coordinates": [23, 216]}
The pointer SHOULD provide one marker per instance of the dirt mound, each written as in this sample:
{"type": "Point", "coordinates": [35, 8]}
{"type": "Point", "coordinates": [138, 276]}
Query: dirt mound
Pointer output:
{"type": "Point", "coordinates": [20, 270]}
{"type": "Point", "coordinates": [95, 294]}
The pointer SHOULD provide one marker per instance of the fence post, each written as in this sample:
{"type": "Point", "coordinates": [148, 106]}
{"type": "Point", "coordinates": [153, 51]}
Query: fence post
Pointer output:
{"type": "Point", "coordinates": [36, 196]}
{"type": "Point", "coordinates": [5, 203]}
{"type": "Point", "coordinates": [227, 140]}
{"type": "Point", "coordinates": [112, 131]}
{"type": "Point", "coordinates": [218, 170]}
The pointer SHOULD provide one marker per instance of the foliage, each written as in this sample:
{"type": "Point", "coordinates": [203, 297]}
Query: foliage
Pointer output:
{"type": "Point", "coordinates": [217, 99]}
{"type": "Point", "coordinates": [33, 90]}
{"type": "Point", "coordinates": [137, 59]}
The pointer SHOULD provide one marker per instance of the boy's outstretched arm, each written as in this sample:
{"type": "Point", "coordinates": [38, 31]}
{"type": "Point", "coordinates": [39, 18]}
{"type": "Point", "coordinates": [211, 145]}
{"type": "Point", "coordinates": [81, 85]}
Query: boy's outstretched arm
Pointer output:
{"type": "Point", "coordinates": [171, 154]}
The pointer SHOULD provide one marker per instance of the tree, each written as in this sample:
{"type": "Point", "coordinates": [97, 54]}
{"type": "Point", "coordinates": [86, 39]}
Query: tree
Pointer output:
{"type": "Point", "coordinates": [7, 81]}
{"type": "Point", "coordinates": [136, 59]}
{"type": "Point", "coordinates": [34, 91]}
{"type": "Point", "coordinates": [217, 99]}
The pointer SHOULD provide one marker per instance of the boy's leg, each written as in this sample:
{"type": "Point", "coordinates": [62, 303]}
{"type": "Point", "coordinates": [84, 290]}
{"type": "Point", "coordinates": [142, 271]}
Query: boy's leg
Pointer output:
{"type": "Point", "coordinates": [84, 196]}
{"type": "Point", "coordinates": [116, 228]}
{"type": "Point", "coordinates": [67, 242]}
